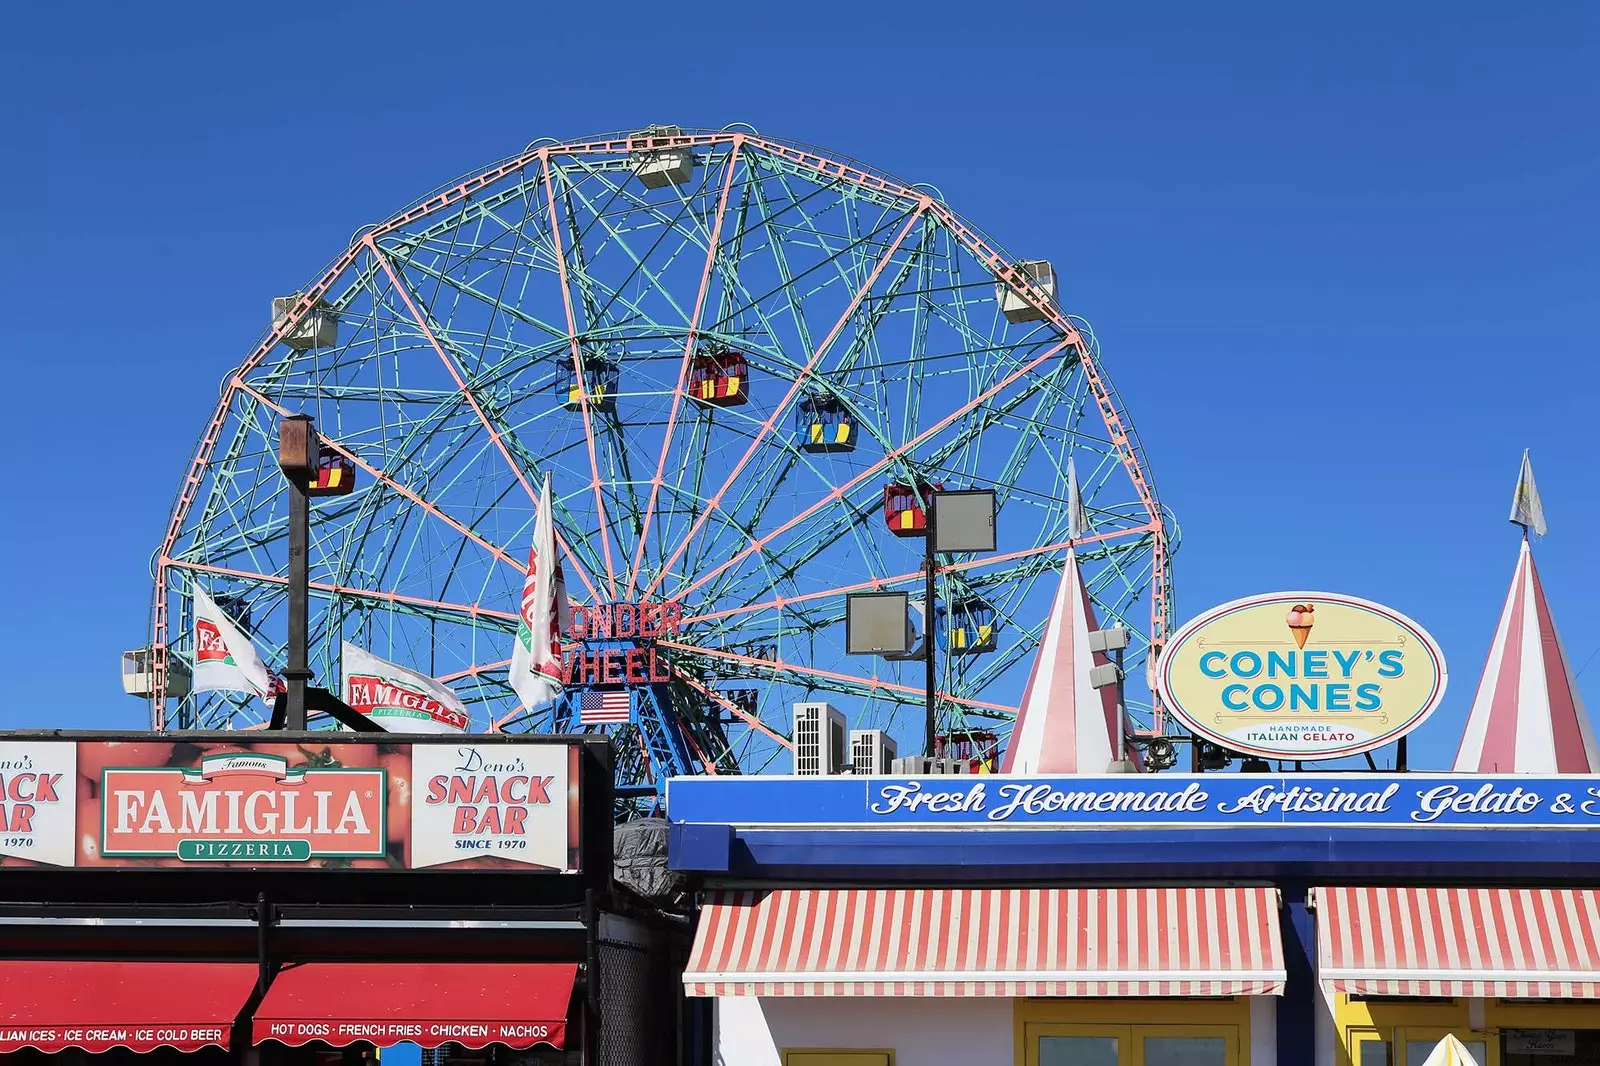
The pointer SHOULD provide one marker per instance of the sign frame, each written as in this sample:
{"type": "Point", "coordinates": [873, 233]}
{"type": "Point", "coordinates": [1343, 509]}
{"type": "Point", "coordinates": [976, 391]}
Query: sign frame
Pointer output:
{"type": "Point", "coordinates": [1194, 721]}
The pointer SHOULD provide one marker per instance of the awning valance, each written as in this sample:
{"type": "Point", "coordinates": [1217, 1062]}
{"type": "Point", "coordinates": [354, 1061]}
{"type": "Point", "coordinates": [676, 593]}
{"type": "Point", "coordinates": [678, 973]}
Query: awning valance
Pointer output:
{"type": "Point", "coordinates": [989, 942]}
{"type": "Point", "coordinates": [142, 1006]}
{"type": "Point", "coordinates": [1534, 943]}
{"type": "Point", "coordinates": [471, 1004]}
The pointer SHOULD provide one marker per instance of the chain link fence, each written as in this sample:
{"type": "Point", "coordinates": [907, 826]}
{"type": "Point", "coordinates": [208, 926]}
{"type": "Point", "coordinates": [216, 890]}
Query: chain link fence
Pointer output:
{"type": "Point", "coordinates": [640, 995]}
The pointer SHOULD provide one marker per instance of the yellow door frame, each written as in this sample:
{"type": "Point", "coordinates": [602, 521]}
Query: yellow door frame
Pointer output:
{"type": "Point", "coordinates": [1130, 1020]}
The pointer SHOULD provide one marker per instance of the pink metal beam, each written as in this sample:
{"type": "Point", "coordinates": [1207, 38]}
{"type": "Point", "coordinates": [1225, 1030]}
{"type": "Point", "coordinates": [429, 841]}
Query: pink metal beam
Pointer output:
{"type": "Point", "coordinates": [749, 719]}
{"type": "Point", "coordinates": [782, 406]}
{"type": "Point", "coordinates": [775, 666]}
{"type": "Point", "coordinates": [427, 506]}
{"type": "Point", "coordinates": [840, 491]}
{"type": "Point", "coordinates": [689, 344]}
{"type": "Point", "coordinates": [579, 376]}
{"type": "Point", "coordinates": [468, 395]}
{"type": "Point", "coordinates": [916, 575]}
{"type": "Point", "coordinates": [472, 610]}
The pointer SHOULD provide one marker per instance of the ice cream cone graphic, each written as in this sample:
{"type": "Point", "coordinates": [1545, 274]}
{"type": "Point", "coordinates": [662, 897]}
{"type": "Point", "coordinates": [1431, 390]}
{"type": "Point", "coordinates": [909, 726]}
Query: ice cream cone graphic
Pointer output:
{"type": "Point", "coordinates": [1302, 616]}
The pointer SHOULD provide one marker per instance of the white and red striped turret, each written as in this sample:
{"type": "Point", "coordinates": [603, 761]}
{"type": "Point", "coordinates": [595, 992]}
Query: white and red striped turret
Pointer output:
{"type": "Point", "coordinates": [1065, 725]}
{"type": "Point", "coordinates": [1527, 717]}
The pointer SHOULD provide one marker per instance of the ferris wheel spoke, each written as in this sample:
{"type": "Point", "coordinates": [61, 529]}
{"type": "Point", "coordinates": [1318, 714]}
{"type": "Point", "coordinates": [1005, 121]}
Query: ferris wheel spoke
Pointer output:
{"type": "Point", "coordinates": [883, 463]}
{"type": "Point", "coordinates": [419, 602]}
{"type": "Point", "coordinates": [578, 371]}
{"type": "Point", "coordinates": [379, 475]}
{"type": "Point", "coordinates": [680, 390]}
{"type": "Point", "coordinates": [783, 405]}
{"type": "Point", "coordinates": [778, 668]}
{"type": "Point", "coordinates": [405, 295]}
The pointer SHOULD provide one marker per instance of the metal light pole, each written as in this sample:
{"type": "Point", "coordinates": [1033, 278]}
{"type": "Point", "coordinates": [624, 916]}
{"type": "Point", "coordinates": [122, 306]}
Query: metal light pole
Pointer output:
{"type": "Point", "coordinates": [967, 526]}
{"type": "Point", "coordinates": [930, 568]}
{"type": "Point", "coordinates": [298, 451]}
{"type": "Point", "coordinates": [310, 472]}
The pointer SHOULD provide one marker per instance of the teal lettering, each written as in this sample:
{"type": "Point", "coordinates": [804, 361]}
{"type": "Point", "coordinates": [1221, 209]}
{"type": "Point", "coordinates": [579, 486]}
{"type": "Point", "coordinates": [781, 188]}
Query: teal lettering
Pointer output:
{"type": "Point", "coordinates": [1338, 697]}
{"type": "Point", "coordinates": [1234, 693]}
{"type": "Point", "coordinates": [1280, 665]}
{"type": "Point", "coordinates": [1303, 697]}
{"type": "Point", "coordinates": [1206, 664]}
{"type": "Point", "coordinates": [1240, 658]}
{"type": "Point", "coordinates": [1314, 664]}
{"type": "Point", "coordinates": [1347, 664]}
{"type": "Point", "coordinates": [1268, 697]}
{"type": "Point", "coordinates": [1368, 697]}
{"type": "Point", "coordinates": [1391, 663]}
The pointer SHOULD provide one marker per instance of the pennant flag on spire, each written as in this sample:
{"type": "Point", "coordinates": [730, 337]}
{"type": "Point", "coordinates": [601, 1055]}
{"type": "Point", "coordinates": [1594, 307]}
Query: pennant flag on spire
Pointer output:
{"type": "Point", "coordinates": [400, 700]}
{"type": "Point", "coordinates": [1527, 717]}
{"type": "Point", "coordinates": [536, 654]}
{"type": "Point", "coordinates": [224, 658]}
{"type": "Point", "coordinates": [1527, 510]}
{"type": "Point", "coordinates": [1065, 725]}
{"type": "Point", "coordinates": [1077, 517]}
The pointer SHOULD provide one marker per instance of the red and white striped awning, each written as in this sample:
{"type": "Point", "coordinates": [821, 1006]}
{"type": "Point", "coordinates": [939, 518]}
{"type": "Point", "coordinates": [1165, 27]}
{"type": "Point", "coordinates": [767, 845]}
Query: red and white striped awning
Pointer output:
{"type": "Point", "coordinates": [1532, 943]}
{"type": "Point", "coordinates": [989, 942]}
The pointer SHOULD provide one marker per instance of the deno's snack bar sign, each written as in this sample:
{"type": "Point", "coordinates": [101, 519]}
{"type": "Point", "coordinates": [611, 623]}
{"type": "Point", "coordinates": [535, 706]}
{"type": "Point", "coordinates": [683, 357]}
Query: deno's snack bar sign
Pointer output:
{"type": "Point", "coordinates": [1301, 675]}
{"type": "Point", "coordinates": [308, 804]}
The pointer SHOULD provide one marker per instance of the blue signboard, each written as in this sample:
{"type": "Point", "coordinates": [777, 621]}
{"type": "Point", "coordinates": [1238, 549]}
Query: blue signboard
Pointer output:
{"type": "Point", "coordinates": [1135, 801]}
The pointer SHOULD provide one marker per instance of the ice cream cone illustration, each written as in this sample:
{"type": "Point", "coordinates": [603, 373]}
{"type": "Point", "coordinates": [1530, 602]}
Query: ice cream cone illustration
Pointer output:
{"type": "Point", "coordinates": [1302, 616]}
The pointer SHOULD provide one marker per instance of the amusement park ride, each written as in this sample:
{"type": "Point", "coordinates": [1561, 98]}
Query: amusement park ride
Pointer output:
{"type": "Point", "coordinates": [746, 365]}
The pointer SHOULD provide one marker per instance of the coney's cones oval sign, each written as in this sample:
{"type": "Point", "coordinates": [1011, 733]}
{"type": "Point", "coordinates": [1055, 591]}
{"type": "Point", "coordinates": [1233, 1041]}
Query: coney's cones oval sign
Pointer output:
{"type": "Point", "coordinates": [1301, 675]}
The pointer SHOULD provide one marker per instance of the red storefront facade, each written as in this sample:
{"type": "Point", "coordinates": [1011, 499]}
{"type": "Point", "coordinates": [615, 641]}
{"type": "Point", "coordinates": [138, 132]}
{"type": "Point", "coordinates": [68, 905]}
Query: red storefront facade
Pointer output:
{"type": "Point", "coordinates": [294, 898]}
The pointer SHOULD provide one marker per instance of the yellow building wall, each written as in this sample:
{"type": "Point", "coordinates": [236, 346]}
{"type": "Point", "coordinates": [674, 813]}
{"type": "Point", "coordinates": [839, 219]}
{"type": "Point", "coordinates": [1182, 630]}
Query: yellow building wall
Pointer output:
{"type": "Point", "coordinates": [1398, 1021]}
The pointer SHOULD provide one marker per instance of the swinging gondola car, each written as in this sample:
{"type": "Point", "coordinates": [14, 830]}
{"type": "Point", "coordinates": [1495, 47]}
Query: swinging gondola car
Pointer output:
{"type": "Point", "coordinates": [905, 507]}
{"type": "Point", "coordinates": [979, 748]}
{"type": "Point", "coordinates": [720, 377]}
{"type": "Point", "coordinates": [601, 377]}
{"type": "Point", "coordinates": [335, 476]}
{"type": "Point", "coordinates": [970, 628]}
{"type": "Point", "coordinates": [823, 425]}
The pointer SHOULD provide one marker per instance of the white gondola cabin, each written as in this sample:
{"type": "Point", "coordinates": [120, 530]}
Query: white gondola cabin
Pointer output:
{"type": "Point", "coordinates": [318, 329]}
{"type": "Point", "coordinates": [1016, 306]}
{"type": "Point", "coordinates": [657, 162]}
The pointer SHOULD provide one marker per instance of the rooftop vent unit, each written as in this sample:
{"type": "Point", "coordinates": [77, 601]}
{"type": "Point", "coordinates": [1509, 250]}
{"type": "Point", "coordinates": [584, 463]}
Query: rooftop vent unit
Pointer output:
{"type": "Point", "coordinates": [1017, 307]}
{"type": "Point", "coordinates": [318, 329]}
{"type": "Point", "coordinates": [656, 161]}
{"type": "Point", "coordinates": [819, 739]}
{"type": "Point", "coordinates": [871, 752]}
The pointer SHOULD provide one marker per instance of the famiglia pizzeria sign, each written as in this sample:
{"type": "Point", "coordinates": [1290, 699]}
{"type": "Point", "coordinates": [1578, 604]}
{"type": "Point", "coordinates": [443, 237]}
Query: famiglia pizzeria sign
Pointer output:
{"type": "Point", "coordinates": [1301, 675]}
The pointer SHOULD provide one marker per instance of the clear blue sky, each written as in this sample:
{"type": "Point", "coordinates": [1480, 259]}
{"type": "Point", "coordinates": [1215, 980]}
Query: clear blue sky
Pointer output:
{"type": "Point", "coordinates": [1341, 257]}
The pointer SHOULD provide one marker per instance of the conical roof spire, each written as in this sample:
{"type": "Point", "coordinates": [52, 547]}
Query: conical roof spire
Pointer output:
{"type": "Point", "coordinates": [1527, 717]}
{"type": "Point", "coordinates": [1065, 725]}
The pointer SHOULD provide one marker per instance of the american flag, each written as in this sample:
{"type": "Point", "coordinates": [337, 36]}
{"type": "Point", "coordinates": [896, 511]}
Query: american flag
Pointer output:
{"type": "Point", "coordinates": [604, 707]}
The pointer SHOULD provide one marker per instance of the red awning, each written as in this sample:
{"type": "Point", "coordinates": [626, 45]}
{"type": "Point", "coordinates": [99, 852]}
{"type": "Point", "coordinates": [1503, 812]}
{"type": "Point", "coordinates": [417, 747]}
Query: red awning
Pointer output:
{"type": "Point", "coordinates": [142, 1006]}
{"type": "Point", "coordinates": [989, 942]}
{"type": "Point", "coordinates": [1520, 943]}
{"type": "Point", "coordinates": [471, 1004]}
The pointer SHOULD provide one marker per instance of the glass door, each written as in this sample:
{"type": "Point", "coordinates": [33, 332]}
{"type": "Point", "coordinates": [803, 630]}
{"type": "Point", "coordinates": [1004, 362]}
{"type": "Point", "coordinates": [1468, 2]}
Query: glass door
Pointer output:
{"type": "Point", "coordinates": [1419, 1044]}
{"type": "Point", "coordinates": [1132, 1045]}
{"type": "Point", "coordinates": [1079, 1045]}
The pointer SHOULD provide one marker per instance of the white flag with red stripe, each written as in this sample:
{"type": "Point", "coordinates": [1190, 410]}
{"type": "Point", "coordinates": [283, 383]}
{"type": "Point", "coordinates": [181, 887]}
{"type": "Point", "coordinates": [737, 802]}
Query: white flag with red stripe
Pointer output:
{"type": "Point", "coordinates": [536, 673]}
{"type": "Point", "coordinates": [224, 658]}
{"type": "Point", "coordinates": [401, 700]}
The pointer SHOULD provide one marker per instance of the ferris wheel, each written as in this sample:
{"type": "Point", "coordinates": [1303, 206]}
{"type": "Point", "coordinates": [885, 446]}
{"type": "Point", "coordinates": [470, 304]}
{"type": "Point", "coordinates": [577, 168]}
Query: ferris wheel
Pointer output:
{"type": "Point", "coordinates": [744, 364]}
